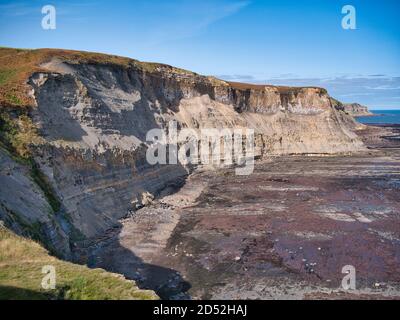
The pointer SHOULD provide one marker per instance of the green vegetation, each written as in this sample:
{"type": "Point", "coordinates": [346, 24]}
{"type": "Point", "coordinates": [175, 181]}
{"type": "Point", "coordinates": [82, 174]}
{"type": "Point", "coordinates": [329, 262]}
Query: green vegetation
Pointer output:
{"type": "Point", "coordinates": [16, 135]}
{"type": "Point", "coordinates": [31, 230]}
{"type": "Point", "coordinates": [281, 89]}
{"type": "Point", "coordinates": [41, 180]}
{"type": "Point", "coordinates": [21, 263]}
{"type": "Point", "coordinates": [13, 99]}
{"type": "Point", "coordinates": [6, 75]}
{"type": "Point", "coordinates": [17, 65]}
{"type": "Point", "coordinates": [337, 104]}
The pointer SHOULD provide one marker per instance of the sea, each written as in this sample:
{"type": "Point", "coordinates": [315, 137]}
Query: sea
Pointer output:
{"type": "Point", "coordinates": [382, 117]}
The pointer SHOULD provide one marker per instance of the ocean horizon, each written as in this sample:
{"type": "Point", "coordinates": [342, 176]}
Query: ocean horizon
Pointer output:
{"type": "Point", "coordinates": [381, 117]}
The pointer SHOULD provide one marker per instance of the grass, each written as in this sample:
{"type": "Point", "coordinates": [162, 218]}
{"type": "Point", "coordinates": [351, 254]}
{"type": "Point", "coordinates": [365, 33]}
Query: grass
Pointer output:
{"type": "Point", "coordinates": [28, 229]}
{"type": "Point", "coordinates": [17, 65]}
{"type": "Point", "coordinates": [13, 99]}
{"type": "Point", "coordinates": [17, 132]}
{"type": "Point", "coordinates": [21, 263]}
{"type": "Point", "coordinates": [281, 89]}
{"type": "Point", "coordinates": [6, 76]}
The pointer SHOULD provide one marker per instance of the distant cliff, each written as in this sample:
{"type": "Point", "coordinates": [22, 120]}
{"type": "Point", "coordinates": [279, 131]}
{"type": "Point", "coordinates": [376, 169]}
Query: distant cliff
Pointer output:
{"type": "Point", "coordinates": [73, 128]}
{"type": "Point", "coordinates": [356, 109]}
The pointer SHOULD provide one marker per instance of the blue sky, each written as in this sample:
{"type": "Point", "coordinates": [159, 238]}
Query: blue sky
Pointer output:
{"type": "Point", "coordinates": [280, 42]}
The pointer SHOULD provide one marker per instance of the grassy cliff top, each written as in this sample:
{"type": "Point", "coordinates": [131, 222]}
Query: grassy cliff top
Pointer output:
{"type": "Point", "coordinates": [17, 65]}
{"type": "Point", "coordinates": [281, 89]}
{"type": "Point", "coordinates": [21, 263]}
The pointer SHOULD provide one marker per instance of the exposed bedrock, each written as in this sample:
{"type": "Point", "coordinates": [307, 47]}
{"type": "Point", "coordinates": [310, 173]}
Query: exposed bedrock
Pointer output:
{"type": "Point", "coordinates": [357, 110]}
{"type": "Point", "coordinates": [94, 119]}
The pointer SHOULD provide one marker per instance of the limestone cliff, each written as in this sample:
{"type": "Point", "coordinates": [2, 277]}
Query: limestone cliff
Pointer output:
{"type": "Point", "coordinates": [91, 114]}
{"type": "Point", "coordinates": [356, 109]}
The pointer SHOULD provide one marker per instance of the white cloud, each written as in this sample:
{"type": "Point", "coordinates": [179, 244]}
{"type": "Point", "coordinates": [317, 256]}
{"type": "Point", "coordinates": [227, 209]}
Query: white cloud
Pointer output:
{"type": "Point", "coordinates": [185, 19]}
{"type": "Point", "coordinates": [384, 87]}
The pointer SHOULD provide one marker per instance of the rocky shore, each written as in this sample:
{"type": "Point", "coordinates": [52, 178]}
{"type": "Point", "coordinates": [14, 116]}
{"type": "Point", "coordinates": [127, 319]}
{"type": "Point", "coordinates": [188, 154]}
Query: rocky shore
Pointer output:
{"type": "Point", "coordinates": [284, 232]}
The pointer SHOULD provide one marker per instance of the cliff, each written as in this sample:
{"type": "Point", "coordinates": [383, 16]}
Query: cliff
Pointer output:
{"type": "Point", "coordinates": [357, 110]}
{"type": "Point", "coordinates": [73, 129]}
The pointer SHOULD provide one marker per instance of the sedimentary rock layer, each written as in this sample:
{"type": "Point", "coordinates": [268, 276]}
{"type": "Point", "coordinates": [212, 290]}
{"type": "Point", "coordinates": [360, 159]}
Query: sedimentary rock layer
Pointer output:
{"type": "Point", "coordinates": [356, 109]}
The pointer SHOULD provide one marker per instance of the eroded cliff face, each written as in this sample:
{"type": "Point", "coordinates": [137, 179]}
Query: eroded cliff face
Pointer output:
{"type": "Point", "coordinates": [94, 119]}
{"type": "Point", "coordinates": [356, 109]}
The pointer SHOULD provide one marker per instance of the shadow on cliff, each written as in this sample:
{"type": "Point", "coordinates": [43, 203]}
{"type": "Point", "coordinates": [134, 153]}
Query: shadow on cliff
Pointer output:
{"type": "Point", "coordinates": [109, 254]}
{"type": "Point", "coordinates": [113, 257]}
{"type": "Point", "coordinates": [112, 108]}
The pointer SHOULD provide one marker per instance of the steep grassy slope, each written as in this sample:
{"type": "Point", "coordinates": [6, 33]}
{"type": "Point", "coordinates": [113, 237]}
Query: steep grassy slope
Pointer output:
{"type": "Point", "coordinates": [21, 262]}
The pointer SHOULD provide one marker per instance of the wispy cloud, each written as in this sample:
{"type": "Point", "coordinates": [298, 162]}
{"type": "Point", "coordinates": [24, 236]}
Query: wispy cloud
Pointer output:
{"type": "Point", "coordinates": [185, 19]}
{"type": "Point", "coordinates": [236, 77]}
{"type": "Point", "coordinates": [384, 87]}
{"type": "Point", "coordinates": [25, 8]}
{"type": "Point", "coordinates": [222, 11]}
